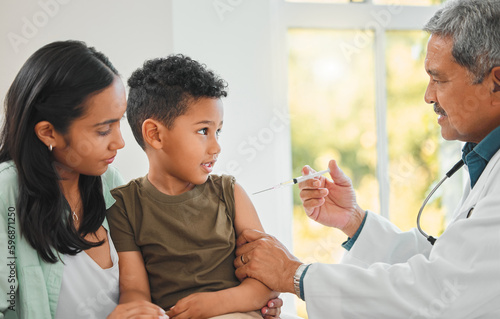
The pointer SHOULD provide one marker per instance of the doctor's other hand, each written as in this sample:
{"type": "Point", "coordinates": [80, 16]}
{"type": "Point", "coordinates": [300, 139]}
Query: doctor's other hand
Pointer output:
{"type": "Point", "coordinates": [263, 257]}
{"type": "Point", "coordinates": [331, 203]}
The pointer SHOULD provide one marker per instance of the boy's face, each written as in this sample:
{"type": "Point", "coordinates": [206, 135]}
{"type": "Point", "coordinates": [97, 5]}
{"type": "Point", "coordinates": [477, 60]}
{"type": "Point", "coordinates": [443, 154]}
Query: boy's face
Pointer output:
{"type": "Point", "coordinates": [190, 147]}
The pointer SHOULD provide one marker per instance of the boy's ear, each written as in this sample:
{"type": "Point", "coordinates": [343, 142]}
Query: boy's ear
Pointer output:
{"type": "Point", "coordinates": [151, 133]}
{"type": "Point", "coordinates": [45, 131]}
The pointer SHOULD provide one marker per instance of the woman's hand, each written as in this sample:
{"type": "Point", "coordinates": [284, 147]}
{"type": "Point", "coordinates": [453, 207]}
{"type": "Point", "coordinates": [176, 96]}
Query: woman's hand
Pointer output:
{"type": "Point", "coordinates": [331, 203]}
{"type": "Point", "coordinates": [273, 309]}
{"type": "Point", "coordinates": [138, 309]}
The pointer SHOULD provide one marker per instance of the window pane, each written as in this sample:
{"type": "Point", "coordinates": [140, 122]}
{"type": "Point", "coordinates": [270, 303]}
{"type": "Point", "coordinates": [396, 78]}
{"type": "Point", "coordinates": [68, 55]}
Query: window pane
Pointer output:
{"type": "Point", "coordinates": [414, 136]}
{"type": "Point", "coordinates": [332, 107]}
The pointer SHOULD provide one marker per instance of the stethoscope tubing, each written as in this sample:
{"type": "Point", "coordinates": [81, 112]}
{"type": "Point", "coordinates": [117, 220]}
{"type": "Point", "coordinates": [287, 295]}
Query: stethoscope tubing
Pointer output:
{"type": "Point", "coordinates": [450, 173]}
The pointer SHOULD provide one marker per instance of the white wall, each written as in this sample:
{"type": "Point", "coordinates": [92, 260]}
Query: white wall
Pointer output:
{"type": "Point", "coordinates": [241, 41]}
{"type": "Point", "coordinates": [127, 31]}
{"type": "Point", "coordinates": [236, 40]}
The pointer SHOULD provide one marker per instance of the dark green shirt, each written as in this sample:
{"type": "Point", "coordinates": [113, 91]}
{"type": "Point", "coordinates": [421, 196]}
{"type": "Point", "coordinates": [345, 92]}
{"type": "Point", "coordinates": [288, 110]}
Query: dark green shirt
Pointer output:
{"type": "Point", "coordinates": [187, 241]}
{"type": "Point", "coordinates": [477, 156]}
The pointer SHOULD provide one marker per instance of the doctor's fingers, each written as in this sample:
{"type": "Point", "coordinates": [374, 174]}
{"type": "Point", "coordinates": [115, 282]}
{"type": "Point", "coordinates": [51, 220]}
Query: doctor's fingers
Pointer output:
{"type": "Point", "coordinates": [274, 268]}
{"type": "Point", "coordinates": [256, 240]}
{"type": "Point", "coordinates": [248, 236]}
{"type": "Point", "coordinates": [312, 198]}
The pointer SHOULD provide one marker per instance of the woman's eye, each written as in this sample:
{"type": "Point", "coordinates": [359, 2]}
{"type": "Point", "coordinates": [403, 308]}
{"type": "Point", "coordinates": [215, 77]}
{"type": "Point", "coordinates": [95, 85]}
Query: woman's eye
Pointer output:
{"type": "Point", "coordinates": [104, 133]}
{"type": "Point", "coordinates": [203, 131]}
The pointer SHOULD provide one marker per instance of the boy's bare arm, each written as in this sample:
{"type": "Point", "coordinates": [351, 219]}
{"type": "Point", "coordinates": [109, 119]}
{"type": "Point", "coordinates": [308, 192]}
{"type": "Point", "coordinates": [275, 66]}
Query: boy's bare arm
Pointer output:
{"type": "Point", "coordinates": [250, 295]}
{"type": "Point", "coordinates": [134, 284]}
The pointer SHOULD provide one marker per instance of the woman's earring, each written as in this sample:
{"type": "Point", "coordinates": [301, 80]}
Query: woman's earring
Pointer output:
{"type": "Point", "coordinates": [50, 147]}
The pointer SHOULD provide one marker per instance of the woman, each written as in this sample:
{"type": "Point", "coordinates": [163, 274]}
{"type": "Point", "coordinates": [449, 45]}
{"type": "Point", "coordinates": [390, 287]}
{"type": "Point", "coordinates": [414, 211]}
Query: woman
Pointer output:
{"type": "Point", "coordinates": [61, 131]}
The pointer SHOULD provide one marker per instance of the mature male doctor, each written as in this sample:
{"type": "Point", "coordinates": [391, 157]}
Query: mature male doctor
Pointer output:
{"type": "Point", "coordinates": [387, 273]}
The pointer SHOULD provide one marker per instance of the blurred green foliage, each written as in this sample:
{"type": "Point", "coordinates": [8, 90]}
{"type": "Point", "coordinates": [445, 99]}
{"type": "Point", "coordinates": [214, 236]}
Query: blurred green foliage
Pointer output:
{"type": "Point", "coordinates": [332, 107]}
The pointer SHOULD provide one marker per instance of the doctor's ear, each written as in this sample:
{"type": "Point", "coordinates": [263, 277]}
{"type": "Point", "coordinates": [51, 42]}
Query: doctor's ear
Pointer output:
{"type": "Point", "coordinates": [496, 78]}
{"type": "Point", "coordinates": [46, 132]}
{"type": "Point", "coordinates": [151, 133]}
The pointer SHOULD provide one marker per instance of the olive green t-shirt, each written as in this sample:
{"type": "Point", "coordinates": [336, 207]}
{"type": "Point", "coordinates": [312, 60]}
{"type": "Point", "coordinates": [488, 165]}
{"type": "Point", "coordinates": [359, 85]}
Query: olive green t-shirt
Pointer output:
{"type": "Point", "coordinates": [187, 241]}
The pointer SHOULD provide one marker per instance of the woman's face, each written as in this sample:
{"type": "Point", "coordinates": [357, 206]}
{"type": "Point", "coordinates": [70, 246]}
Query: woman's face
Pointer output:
{"type": "Point", "coordinates": [93, 140]}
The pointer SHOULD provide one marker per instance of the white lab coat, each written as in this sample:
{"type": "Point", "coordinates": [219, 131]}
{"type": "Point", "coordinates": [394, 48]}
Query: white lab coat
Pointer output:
{"type": "Point", "coordinates": [394, 274]}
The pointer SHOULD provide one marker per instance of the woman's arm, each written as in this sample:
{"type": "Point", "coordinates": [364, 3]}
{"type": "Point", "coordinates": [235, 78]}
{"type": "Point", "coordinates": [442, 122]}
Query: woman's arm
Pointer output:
{"type": "Point", "coordinates": [134, 284]}
{"type": "Point", "coordinates": [135, 298]}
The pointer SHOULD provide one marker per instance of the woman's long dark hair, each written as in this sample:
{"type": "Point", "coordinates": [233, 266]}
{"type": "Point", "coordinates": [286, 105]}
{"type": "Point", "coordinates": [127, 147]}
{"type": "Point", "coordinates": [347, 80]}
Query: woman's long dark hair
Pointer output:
{"type": "Point", "coordinates": [53, 85]}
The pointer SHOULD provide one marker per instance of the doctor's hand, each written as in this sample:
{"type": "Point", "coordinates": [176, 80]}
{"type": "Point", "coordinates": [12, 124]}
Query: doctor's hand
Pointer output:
{"type": "Point", "coordinates": [263, 257]}
{"type": "Point", "coordinates": [331, 203]}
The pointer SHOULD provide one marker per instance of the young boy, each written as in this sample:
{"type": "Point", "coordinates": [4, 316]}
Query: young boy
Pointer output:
{"type": "Point", "coordinates": [175, 228]}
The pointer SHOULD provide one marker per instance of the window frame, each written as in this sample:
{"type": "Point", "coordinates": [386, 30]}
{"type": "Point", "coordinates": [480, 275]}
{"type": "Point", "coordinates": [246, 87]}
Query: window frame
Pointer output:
{"type": "Point", "coordinates": [362, 17]}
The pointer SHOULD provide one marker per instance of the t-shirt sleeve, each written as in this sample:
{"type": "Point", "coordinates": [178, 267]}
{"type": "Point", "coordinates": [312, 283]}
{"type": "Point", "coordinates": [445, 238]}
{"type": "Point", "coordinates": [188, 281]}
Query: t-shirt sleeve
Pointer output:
{"type": "Point", "coordinates": [122, 232]}
{"type": "Point", "coordinates": [228, 193]}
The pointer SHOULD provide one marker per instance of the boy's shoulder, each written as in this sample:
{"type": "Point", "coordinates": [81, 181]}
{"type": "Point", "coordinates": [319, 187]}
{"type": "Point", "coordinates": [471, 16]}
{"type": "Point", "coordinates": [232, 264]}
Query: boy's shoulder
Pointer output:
{"type": "Point", "coordinates": [129, 188]}
{"type": "Point", "coordinates": [221, 182]}
{"type": "Point", "coordinates": [214, 178]}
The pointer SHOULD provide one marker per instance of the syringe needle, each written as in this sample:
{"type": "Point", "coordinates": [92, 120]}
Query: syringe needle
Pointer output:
{"type": "Point", "coordinates": [265, 190]}
{"type": "Point", "coordinates": [295, 180]}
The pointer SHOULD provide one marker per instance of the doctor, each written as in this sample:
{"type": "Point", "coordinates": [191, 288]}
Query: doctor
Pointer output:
{"type": "Point", "coordinates": [387, 273]}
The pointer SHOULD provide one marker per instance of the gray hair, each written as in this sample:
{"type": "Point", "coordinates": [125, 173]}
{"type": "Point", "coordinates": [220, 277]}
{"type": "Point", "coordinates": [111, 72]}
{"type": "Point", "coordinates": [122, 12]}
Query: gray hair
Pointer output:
{"type": "Point", "coordinates": [474, 26]}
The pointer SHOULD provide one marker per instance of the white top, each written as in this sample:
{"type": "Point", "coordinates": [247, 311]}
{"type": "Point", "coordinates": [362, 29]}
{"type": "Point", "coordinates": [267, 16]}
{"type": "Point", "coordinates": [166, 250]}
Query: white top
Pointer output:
{"type": "Point", "coordinates": [87, 290]}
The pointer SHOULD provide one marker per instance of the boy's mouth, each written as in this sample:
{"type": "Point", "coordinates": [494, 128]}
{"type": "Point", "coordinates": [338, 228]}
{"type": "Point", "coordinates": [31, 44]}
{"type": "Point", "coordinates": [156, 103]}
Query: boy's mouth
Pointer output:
{"type": "Point", "coordinates": [208, 166]}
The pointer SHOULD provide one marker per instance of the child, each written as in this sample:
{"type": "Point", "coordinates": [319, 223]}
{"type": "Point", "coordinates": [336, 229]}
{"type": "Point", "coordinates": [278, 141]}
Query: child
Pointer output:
{"type": "Point", "coordinates": [177, 225]}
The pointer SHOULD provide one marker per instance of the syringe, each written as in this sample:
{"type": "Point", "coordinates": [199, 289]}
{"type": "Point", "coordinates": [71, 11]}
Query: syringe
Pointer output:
{"type": "Point", "coordinates": [295, 181]}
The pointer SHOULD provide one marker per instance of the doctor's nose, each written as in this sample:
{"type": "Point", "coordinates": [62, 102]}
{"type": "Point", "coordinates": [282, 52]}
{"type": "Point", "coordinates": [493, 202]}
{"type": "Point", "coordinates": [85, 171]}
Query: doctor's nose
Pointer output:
{"type": "Point", "coordinates": [430, 94]}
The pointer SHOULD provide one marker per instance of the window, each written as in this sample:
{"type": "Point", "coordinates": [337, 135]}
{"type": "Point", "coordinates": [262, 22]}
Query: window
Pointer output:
{"type": "Point", "coordinates": [355, 91]}
{"type": "Point", "coordinates": [332, 107]}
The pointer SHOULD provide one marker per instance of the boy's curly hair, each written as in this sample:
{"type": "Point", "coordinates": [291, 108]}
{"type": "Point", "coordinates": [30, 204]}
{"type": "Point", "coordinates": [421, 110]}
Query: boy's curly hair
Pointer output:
{"type": "Point", "coordinates": [163, 89]}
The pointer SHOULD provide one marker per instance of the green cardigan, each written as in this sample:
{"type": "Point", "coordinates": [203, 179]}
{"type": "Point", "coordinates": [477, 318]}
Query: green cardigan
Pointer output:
{"type": "Point", "coordinates": [29, 287]}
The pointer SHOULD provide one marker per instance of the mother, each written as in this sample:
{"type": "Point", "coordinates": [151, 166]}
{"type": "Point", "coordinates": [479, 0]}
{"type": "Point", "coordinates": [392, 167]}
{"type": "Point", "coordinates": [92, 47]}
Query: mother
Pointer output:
{"type": "Point", "coordinates": [61, 131]}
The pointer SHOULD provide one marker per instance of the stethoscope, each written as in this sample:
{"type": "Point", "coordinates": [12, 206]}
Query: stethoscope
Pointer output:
{"type": "Point", "coordinates": [450, 173]}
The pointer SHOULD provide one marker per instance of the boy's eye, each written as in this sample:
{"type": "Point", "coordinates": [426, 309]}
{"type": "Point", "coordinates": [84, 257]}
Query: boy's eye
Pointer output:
{"type": "Point", "coordinates": [203, 131]}
{"type": "Point", "coordinates": [218, 132]}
